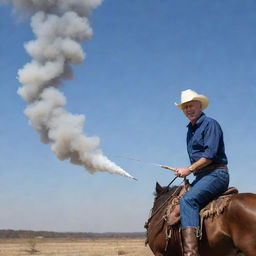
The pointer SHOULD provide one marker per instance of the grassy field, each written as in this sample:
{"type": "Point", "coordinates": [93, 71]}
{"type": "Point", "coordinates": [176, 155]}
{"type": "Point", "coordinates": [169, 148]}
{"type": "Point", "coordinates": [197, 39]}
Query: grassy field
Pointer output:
{"type": "Point", "coordinates": [73, 247]}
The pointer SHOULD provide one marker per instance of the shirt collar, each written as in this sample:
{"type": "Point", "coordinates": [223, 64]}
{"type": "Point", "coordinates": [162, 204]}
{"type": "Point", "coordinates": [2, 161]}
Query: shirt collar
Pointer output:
{"type": "Point", "coordinates": [198, 122]}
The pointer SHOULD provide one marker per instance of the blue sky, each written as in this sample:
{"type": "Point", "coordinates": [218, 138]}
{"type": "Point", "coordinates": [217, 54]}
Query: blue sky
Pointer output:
{"type": "Point", "coordinates": [139, 60]}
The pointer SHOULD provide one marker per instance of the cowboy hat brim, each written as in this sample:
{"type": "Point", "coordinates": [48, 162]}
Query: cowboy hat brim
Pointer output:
{"type": "Point", "coordinates": [203, 99]}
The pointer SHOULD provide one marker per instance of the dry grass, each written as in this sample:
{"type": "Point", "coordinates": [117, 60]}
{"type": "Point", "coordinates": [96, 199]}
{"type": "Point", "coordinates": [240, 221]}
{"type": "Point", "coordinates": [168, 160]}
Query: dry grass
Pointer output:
{"type": "Point", "coordinates": [74, 247]}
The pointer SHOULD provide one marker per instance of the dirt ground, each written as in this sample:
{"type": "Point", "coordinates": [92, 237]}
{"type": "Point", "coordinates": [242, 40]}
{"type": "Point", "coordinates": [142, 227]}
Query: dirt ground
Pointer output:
{"type": "Point", "coordinates": [73, 247]}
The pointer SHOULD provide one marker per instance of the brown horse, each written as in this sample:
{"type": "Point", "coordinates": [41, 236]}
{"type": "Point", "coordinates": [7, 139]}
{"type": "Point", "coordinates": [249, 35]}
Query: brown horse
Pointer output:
{"type": "Point", "coordinates": [228, 233]}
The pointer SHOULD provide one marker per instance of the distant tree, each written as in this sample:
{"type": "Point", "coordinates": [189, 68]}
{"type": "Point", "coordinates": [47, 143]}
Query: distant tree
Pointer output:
{"type": "Point", "coordinates": [32, 246]}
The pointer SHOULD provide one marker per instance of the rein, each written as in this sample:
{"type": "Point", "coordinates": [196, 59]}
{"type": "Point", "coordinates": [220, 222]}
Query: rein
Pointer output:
{"type": "Point", "coordinates": [167, 200]}
{"type": "Point", "coordinates": [172, 181]}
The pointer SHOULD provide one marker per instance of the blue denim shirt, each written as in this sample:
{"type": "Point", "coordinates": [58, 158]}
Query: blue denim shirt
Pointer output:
{"type": "Point", "coordinates": [205, 139]}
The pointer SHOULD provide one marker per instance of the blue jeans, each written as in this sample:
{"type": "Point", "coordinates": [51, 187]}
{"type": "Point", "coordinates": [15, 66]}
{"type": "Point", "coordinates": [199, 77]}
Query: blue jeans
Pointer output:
{"type": "Point", "coordinates": [206, 186]}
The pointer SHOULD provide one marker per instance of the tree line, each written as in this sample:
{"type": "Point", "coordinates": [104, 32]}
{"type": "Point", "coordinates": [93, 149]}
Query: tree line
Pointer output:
{"type": "Point", "coordinates": [9, 233]}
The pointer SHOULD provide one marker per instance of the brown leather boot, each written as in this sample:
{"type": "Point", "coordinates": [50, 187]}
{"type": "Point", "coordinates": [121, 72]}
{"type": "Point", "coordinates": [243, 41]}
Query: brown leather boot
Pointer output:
{"type": "Point", "coordinates": [189, 242]}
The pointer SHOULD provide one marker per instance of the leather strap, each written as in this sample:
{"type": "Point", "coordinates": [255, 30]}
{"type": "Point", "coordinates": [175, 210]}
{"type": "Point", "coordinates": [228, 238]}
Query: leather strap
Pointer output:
{"type": "Point", "coordinates": [211, 167]}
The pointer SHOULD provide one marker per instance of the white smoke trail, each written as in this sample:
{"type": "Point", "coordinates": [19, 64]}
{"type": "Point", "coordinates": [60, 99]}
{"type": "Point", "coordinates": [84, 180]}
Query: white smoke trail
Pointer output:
{"type": "Point", "coordinates": [59, 26]}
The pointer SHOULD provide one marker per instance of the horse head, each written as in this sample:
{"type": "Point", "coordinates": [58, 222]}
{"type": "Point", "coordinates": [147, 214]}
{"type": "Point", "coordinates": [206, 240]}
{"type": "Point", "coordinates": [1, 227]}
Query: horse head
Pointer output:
{"type": "Point", "coordinates": [162, 194]}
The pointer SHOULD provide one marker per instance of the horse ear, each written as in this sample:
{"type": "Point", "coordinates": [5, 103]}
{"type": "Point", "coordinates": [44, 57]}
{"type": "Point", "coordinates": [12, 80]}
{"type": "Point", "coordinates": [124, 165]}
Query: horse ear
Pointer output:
{"type": "Point", "coordinates": [159, 188]}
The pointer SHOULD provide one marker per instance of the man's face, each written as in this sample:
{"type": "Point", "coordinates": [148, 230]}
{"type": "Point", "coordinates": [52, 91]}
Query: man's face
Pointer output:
{"type": "Point", "coordinates": [192, 110]}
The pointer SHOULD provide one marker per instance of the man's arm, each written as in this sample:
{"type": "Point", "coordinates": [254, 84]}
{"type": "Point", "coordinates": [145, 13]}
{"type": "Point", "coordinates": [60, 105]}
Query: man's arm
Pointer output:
{"type": "Point", "coordinates": [199, 164]}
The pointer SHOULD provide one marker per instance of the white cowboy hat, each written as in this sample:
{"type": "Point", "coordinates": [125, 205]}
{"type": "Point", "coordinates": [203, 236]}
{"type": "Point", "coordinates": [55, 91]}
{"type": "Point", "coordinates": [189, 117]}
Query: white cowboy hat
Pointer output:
{"type": "Point", "coordinates": [190, 95]}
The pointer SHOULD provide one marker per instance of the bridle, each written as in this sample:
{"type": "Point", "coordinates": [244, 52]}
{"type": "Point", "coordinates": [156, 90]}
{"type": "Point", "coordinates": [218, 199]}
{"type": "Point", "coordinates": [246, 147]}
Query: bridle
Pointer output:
{"type": "Point", "coordinates": [166, 201]}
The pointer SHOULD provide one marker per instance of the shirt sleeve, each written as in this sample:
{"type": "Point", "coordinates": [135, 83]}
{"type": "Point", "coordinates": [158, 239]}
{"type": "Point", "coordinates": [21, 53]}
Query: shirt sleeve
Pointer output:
{"type": "Point", "coordinates": [212, 138]}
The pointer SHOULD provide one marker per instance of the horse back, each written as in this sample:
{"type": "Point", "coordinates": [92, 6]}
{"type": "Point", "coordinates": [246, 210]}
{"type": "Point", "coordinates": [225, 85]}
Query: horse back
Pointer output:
{"type": "Point", "coordinates": [235, 227]}
{"type": "Point", "coordinates": [241, 215]}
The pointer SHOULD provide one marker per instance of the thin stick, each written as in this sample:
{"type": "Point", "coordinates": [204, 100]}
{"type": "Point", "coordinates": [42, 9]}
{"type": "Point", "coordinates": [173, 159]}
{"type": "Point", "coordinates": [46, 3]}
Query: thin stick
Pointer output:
{"type": "Point", "coordinates": [145, 162]}
{"type": "Point", "coordinates": [168, 168]}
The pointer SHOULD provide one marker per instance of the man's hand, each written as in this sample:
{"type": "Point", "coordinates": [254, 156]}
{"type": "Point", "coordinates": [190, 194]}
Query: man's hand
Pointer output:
{"type": "Point", "coordinates": [199, 164]}
{"type": "Point", "coordinates": [182, 172]}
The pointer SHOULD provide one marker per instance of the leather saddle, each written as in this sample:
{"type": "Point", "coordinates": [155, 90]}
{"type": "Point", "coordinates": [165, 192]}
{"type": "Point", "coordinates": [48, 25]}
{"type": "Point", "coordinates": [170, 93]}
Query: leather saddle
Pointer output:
{"type": "Point", "coordinates": [172, 214]}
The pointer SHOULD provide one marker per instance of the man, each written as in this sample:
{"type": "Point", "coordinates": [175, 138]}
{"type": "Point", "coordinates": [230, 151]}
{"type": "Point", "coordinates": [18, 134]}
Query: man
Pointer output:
{"type": "Point", "coordinates": [208, 160]}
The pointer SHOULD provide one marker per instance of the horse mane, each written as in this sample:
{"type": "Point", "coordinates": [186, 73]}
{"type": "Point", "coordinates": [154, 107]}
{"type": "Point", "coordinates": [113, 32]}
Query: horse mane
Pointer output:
{"type": "Point", "coordinates": [163, 196]}
{"type": "Point", "coordinates": [175, 190]}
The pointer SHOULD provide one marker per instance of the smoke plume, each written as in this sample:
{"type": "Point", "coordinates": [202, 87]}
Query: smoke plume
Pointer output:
{"type": "Point", "coordinates": [59, 26]}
